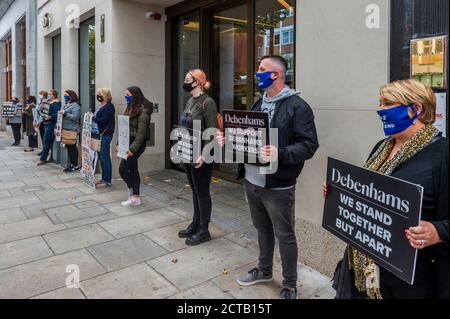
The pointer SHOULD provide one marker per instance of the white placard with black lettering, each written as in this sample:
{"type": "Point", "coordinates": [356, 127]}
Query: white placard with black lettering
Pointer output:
{"type": "Point", "coordinates": [89, 157]}
{"type": "Point", "coordinates": [441, 113]}
{"type": "Point", "coordinates": [8, 110]}
{"type": "Point", "coordinates": [370, 212]}
{"type": "Point", "coordinates": [58, 127]}
{"type": "Point", "coordinates": [124, 136]}
{"type": "Point", "coordinates": [187, 146]}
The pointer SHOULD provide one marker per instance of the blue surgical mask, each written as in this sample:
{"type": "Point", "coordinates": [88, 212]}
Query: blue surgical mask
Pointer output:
{"type": "Point", "coordinates": [265, 79]}
{"type": "Point", "coordinates": [397, 119]}
{"type": "Point", "coordinates": [66, 98]}
{"type": "Point", "coordinates": [128, 99]}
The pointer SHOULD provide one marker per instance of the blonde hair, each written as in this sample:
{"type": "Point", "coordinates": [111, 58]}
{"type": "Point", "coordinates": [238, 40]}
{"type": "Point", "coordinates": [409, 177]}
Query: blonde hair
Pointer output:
{"type": "Point", "coordinates": [406, 92]}
{"type": "Point", "coordinates": [106, 93]}
{"type": "Point", "coordinates": [200, 77]}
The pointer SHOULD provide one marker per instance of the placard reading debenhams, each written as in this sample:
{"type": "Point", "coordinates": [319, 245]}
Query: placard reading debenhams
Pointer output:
{"type": "Point", "coordinates": [187, 146]}
{"type": "Point", "coordinates": [246, 132]}
{"type": "Point", "coordinates": [370, 212]}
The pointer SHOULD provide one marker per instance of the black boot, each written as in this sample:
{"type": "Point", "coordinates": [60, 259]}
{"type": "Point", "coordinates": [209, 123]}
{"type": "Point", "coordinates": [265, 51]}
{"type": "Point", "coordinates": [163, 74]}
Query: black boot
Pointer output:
{"type": "Point", "coordinates": [189, 231]}
{"type": "Point", "coordinates": [200, 236]}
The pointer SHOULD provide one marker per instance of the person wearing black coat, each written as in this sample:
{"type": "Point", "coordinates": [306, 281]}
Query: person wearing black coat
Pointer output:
{"type": "Point", "coordinates": [416, 152]}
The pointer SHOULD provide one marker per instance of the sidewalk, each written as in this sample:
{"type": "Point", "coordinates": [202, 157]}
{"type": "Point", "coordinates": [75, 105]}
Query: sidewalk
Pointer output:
{"type": "Point", "coordinates": [50, 219]}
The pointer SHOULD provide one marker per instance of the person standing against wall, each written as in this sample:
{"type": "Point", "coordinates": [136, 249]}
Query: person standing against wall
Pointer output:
{"type": "Point", "coordinates": [49, 125]}
{"type": "Point", "coordinates": [29, 124]}
{"type": "Point", "coordinates": [103, 125]}
{"type": "Point", "coordinates": [271, 197]}
{"type": "Point", "coordinates": [42, 111]}
{"type": "Point", "coordinates": [200, 107]}
{"type": "Point", "coordinates": [140, 110]}
{"type": "Point", "coordinates": [16, 121]}
{"type": "Point", "coordinates": [71, 128]}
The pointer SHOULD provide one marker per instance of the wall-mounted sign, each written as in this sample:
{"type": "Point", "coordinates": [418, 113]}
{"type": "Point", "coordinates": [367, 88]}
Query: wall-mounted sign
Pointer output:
{"type": "Point", "coordinates": [429, 61]}
{"type": "Point", "coordinates": [46, 20]}
{"type": "Point", "coordinates": [441, 113]}
{"type": "Point", "coordinates": [102, 28]}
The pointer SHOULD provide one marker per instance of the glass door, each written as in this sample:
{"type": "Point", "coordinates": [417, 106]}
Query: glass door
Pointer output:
{"type": "Point", "coordinates": [87, 66]}
{"type": "Point", "coordinates": [229, 63]}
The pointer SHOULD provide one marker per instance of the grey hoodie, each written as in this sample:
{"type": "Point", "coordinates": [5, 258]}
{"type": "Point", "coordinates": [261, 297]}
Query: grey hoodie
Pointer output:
{"type": "Point", "coordinates": [252, 174]}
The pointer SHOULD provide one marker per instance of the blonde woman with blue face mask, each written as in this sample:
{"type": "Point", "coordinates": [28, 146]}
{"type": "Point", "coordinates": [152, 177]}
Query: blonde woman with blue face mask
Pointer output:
{"type": "Point", "coordinates": [414, 151]}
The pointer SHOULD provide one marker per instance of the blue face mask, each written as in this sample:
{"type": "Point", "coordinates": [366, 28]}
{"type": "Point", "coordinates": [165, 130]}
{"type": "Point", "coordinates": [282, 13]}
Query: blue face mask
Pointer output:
{"type": "Point", "coordinates": [128, 99]}
{"type": "Point", "coordinates": [66, 98]}
{"type": "Point", "coordinates": [265, 79]}
{"type": "Point", "coordinates": [397, 119]}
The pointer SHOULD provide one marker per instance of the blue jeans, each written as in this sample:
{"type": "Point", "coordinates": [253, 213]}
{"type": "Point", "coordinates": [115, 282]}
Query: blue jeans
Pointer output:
{"type": "Point", "coordinates": [105, 158]}
{"type": "Point", "coordinates": [49, 137]}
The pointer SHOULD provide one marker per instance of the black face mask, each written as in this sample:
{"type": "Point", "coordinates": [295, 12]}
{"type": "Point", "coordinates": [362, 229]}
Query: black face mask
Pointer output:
{"type": "Point", "coordinates": [100, 98]}
{"type": "Point", "coordinates": [188, 87]}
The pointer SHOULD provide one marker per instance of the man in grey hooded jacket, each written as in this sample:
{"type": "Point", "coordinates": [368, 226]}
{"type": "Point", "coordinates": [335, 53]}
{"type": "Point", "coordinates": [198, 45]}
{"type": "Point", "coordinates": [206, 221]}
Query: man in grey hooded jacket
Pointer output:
{"type": "Point", "coordinates": [271, 197]}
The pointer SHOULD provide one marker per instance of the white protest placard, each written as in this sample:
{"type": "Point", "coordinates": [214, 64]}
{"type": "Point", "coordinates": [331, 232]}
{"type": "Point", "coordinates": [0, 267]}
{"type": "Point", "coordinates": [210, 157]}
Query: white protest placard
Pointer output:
{"type": "Point", "coordinates": [88, 155]}
{"type": "Point", "coordinates": [124, 136]}
{"type": "Point", "coordinates": [441, 113]}
{"type": "Point", "coordinates": [58, 127]}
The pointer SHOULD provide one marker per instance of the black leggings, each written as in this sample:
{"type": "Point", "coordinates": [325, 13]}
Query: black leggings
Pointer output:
{"type": "Point", "coordinates": [33, 141]}
{"type": "Point", "coordinates": [129, 170]}
{"type": "Point", "coordinates": [72, 150]}
{"type": "Point", "coordinates": [200, 180]}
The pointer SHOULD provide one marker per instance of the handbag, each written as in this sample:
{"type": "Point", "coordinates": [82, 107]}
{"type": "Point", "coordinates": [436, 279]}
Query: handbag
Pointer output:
{"type": "Point", "coordinates": [69, 137]}
{"type": "Point", "coordinates": [97, 143]}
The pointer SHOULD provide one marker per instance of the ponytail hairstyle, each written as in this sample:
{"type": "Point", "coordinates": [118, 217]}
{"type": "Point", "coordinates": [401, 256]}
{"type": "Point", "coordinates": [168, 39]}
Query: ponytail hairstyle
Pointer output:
{"type": "Point", "coordinates": [200, 77]}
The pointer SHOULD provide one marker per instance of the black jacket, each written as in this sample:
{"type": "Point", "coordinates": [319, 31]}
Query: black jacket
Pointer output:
{"type": "Point", "coordinates": [429, 168]}
{"type": "Point", "coordinates": [297, 140]}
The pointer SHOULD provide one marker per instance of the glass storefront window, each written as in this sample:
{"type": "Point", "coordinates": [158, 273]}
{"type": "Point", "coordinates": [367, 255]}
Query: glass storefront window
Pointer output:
{"type": "Point", "coordinates": [87, 65]}
{"type": "Point", "coordinates": [188, 57]}
{"type": "Point", "coordinates": [274, 34]}
{"type": "Point", "coordinates": [230, 35]}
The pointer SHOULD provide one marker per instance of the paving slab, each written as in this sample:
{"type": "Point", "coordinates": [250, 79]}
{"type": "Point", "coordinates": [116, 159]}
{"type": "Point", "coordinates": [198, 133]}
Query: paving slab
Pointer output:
{"type": "Point", "coordinates": [45, 275]}
{"type": "Point", "coordinates": [76, 238]}
{"type": "Point", "coordinates": [127, 251]}
{"type": "Point", "coordinates": [134, 282]}
{"type": "Point", "coordinates": [28, 228]}
{"type": "Point", "coordinates": [213, 256]}
{"type": "Point", "coordinates": [167, 237]}
{"type": "Point", "coordinates": [23, 251]}
{"type": "Point", "coordinates": [142, 222]}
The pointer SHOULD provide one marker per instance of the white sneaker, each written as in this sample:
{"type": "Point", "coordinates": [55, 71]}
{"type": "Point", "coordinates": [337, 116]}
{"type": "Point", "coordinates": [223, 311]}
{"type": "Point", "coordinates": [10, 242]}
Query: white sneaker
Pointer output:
{"type": "Point", "coordinates": [132, 202]}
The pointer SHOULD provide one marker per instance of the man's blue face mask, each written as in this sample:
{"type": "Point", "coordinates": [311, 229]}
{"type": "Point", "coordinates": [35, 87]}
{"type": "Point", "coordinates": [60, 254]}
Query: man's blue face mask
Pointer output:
{"type": "Point", "coordinates": [397, 119]}
{"type": "Point", "coordinates": [264, 79]}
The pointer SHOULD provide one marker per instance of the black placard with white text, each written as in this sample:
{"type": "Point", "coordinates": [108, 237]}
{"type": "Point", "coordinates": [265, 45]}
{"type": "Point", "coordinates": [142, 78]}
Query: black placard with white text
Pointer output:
{"type": "Point", "coordinates": [370, 212]}
{"type": "Point", "coordinates": [247, 132]}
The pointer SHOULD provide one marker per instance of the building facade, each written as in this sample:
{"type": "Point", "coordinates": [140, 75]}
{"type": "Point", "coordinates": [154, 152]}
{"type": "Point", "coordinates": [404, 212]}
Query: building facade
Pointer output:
{"type": "Point", "coordinates": [339, 54]}
{"type": "Point", "coordinates": [18, 74]}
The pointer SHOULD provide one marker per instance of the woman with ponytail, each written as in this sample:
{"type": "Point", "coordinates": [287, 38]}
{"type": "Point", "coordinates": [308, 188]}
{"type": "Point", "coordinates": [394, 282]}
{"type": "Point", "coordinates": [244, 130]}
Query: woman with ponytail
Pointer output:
{"type": "Point", "coordinates": [200, 107]}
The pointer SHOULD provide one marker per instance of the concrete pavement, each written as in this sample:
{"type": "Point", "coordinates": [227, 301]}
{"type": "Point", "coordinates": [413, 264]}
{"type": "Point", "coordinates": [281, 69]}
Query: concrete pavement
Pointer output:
{"type": "Point", "coordinates": [50, 220]}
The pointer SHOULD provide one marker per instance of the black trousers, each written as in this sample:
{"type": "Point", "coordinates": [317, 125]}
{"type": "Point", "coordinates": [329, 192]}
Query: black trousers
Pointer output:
{"type": "Point", "coordinates": [33, 141]}
{"type": "Point", "coordinates": [200, 180]}
{"type": "Point", "coordinates": [424, 287]}
{"type": "Point", "coordinates": [273, 215]}
{"type": "Point", "coordinates": [72, 151]}
{"type": "Point", "coordinates": [41, 131]}
{"type": "Point", "coordinates": [129, 170]}
{"type": "Point", "coordinates": [16, 132]}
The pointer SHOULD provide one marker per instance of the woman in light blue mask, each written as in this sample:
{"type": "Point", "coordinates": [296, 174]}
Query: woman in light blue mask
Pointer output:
{"type": "Point", "coordinates": [413, 151]}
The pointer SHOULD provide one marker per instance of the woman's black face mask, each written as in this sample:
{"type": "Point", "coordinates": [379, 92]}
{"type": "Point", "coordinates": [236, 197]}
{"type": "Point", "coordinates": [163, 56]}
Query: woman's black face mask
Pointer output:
{"type": "Point", "coordinates": [189, 87]}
